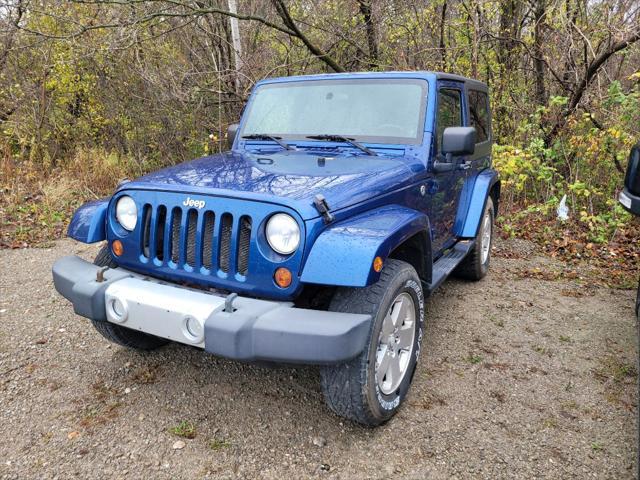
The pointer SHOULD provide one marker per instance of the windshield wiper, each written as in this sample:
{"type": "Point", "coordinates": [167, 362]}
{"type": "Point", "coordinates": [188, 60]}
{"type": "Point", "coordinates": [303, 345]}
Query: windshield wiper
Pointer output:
{"type": "Point", "coordinates": [340, 138]}
{"type": "Point", "coordinates": [264, 136]}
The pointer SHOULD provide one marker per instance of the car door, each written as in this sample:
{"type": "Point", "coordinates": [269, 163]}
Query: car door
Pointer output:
{"type": "Point", "coordinates": [479, 117]}
{"type": "Point", "coordinates": [450, 112]}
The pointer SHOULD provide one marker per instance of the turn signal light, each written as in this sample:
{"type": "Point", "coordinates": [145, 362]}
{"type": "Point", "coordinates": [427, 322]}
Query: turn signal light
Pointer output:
{"type": "Point", "coordinates": [282, 277]}
{"type": "Point", "coordinates": [117, 248]}
{"type": "Point", "coordinates": [377, 264]}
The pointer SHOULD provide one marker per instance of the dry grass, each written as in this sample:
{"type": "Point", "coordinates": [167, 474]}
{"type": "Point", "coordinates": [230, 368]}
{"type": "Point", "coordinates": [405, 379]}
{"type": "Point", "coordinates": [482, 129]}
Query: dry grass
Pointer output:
{"type": "Point", "coordinates": [36, 206]}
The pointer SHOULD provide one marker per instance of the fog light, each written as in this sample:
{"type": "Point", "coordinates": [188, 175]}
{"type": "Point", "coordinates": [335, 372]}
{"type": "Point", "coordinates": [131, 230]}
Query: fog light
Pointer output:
{"type": "Point", "coordinates": [282, 277]}
{"type": "Point", "coordinates": [193, 329]}
{"type": "Point", "coordinates": [118, 310]}
{"type": "Point", "coordinates": [117, 248]}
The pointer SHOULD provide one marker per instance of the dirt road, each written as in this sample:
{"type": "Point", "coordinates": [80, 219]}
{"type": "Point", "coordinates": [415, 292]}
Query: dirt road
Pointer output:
{"type": "Point", "coordinates": [520, 378]}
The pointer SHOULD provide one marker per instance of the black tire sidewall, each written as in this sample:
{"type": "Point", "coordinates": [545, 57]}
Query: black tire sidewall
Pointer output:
{"type": "Point", "coordinates": [384, 406]}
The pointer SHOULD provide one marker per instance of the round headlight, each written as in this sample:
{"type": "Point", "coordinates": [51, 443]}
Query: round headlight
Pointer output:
{"type": "Point", "coordinates": [283, 233]}
{"type": "Point", "coordinates": [127, 213]}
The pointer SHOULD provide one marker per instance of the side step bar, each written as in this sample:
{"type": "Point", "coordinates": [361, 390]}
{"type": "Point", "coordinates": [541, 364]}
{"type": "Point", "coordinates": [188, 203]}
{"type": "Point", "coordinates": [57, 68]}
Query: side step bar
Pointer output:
{"type": "Point", "coordinates": [447, 263]}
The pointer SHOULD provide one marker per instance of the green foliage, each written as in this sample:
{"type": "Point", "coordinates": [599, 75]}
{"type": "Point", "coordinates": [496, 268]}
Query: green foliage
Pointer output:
{"type": "Point", "coordinates": [586, 164]}
{"type": "Point", "coordinates": [184, 429]}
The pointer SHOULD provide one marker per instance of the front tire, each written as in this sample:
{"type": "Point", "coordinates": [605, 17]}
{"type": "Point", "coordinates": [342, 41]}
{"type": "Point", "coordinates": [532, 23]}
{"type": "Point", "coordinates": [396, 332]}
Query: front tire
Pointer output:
{"type": "Point", "coordinates": [371, 388]}
{"type": "Point", "coordinates": [115, 333]}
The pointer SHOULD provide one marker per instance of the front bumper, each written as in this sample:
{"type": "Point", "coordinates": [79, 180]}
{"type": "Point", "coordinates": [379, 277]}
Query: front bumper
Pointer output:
{"type": "Point", "coordinates": [250, 330]}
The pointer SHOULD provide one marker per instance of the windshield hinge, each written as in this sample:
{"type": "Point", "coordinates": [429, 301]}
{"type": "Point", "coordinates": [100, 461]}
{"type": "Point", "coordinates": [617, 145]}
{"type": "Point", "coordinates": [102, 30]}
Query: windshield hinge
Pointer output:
{"type": "Point", "coordinates": [323, 208]}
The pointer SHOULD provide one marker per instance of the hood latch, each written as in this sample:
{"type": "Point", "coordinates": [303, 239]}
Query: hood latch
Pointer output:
{"type": "Point", "coordinates": [323, 208]}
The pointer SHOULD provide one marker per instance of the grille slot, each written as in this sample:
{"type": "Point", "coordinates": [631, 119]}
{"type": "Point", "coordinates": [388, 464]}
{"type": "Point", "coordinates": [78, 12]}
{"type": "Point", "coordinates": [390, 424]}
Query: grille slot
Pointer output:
{"type": "Point", "coordinates": [192, 223]}
{"type": "Point", "coordinates": [244, 242]}
{"type": "Point", "coordinates": [159, 228]}
{"type": "Point", "coordinates": [175, 235]}
{"type": "Point", "coordinates": [146, 230]}
{"type": "Point", "coordinates": [207, 240]}
{"type": "Point", "coordinates": [225, 242]}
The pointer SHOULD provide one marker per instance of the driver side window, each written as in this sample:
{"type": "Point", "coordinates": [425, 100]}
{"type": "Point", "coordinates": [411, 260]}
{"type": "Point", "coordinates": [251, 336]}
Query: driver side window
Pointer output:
{"type": "Point", "coordinates": [449, 112]}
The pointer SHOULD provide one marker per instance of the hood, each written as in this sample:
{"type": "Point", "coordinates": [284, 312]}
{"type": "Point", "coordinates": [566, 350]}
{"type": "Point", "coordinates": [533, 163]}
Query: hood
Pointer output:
{"type": "Point", "coordinates": [292, 178]}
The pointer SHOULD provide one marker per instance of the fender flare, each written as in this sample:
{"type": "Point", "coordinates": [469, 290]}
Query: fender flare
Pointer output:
{"type": "Point", "coordinates": [343, 254]}
{"type": "Point", "coordinates": [470, 215]}
{"type": "Point", "coordinates": [88, 222]}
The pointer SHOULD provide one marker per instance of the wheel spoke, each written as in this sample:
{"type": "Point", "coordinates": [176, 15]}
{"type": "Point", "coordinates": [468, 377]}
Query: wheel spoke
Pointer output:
{"type": "Point", "coordinates": [400, 311]}
{"type": "Point", "coordinates": [406, 336]}
{"type": "Point", "coordinates": [387, 326]}
{"type": "Point", "coordinates": [394, 369]}
{"type": "Point", "coordinates": [383, 368]}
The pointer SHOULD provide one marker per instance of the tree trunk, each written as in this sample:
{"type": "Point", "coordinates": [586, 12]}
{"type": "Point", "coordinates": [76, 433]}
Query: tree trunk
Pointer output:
{"type": "Point", "coordinates": [365, 10]}
{"type": "Point", "coordinates": [442, 46]}
{"type": "Point", "coordinates": [509, 33]}
{"type": "Point", "coordinates": [236, 41]}
{"type": "Point", "coordinates": [538, 61]}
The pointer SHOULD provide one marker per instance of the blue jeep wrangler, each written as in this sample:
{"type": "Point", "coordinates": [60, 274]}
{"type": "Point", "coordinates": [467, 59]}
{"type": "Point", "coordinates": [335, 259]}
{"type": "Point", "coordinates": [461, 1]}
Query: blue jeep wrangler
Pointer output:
{"type": "Point", "coordinates": [344, 200]}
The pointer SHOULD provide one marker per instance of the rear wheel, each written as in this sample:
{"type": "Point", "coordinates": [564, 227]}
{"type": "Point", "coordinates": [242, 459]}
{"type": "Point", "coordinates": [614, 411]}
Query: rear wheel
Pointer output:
{"type": "Point", "coordinates": [116, 333]}
{"type": "Point", "coordinates": [370, 388]}
{"type": "Point", "coordinates": [476, 264]}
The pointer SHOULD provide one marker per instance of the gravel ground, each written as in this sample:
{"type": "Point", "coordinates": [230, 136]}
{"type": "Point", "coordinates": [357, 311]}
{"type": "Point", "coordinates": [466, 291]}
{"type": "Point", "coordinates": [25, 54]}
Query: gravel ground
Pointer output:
{"type": "Point", "coordinates": [520, 378]}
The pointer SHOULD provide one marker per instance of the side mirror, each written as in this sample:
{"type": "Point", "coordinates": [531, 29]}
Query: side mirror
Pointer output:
{"type": "Point", "coordinates": [455, 141]}
{"type": "Point", "coordinates": [632, 178]}
{"type": "Point", "coordinates": [458, 141]}
{"type": "Point", "coordinates": [231, 134]}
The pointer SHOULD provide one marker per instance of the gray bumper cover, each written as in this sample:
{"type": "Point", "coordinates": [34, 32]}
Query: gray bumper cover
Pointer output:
{"type": "Point", "coordinates": [255, 330]}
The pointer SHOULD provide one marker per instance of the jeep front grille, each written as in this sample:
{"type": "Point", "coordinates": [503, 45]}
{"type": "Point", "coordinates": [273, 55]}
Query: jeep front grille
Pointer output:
{"type": "Point", "coordinates": [194, 239]}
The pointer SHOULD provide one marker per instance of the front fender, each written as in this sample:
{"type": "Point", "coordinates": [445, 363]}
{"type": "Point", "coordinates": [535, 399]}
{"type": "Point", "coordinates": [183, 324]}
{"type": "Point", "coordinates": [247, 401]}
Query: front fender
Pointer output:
{"type": "Point", "coordinates": [88, 223]}
{"type": "Point", "coordinates": [469, 215]}
{"type": "Point", "coordinates": [343, 254]}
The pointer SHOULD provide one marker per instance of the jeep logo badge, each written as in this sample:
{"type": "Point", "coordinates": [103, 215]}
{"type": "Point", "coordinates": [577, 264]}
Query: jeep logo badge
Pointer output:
{"type": "Point", "coordinates": [190, 202]}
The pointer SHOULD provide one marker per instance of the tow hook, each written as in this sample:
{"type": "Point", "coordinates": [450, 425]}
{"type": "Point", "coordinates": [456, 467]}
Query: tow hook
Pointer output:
{"type": "Point", "coordinates": [100, 274]}
{"type": "Point", "coordinates": [228, 302]}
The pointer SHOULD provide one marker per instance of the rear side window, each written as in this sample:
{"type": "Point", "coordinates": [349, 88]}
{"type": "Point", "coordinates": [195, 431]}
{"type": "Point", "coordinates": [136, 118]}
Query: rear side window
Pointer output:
{"type": "Point", "coordinates": [449, 111]}
{"type": "Point", "coordinates": [479, 112]}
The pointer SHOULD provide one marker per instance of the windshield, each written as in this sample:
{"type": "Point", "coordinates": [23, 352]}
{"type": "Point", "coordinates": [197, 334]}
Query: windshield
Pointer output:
{"type": "Point", "coordinates": [374, 110]}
